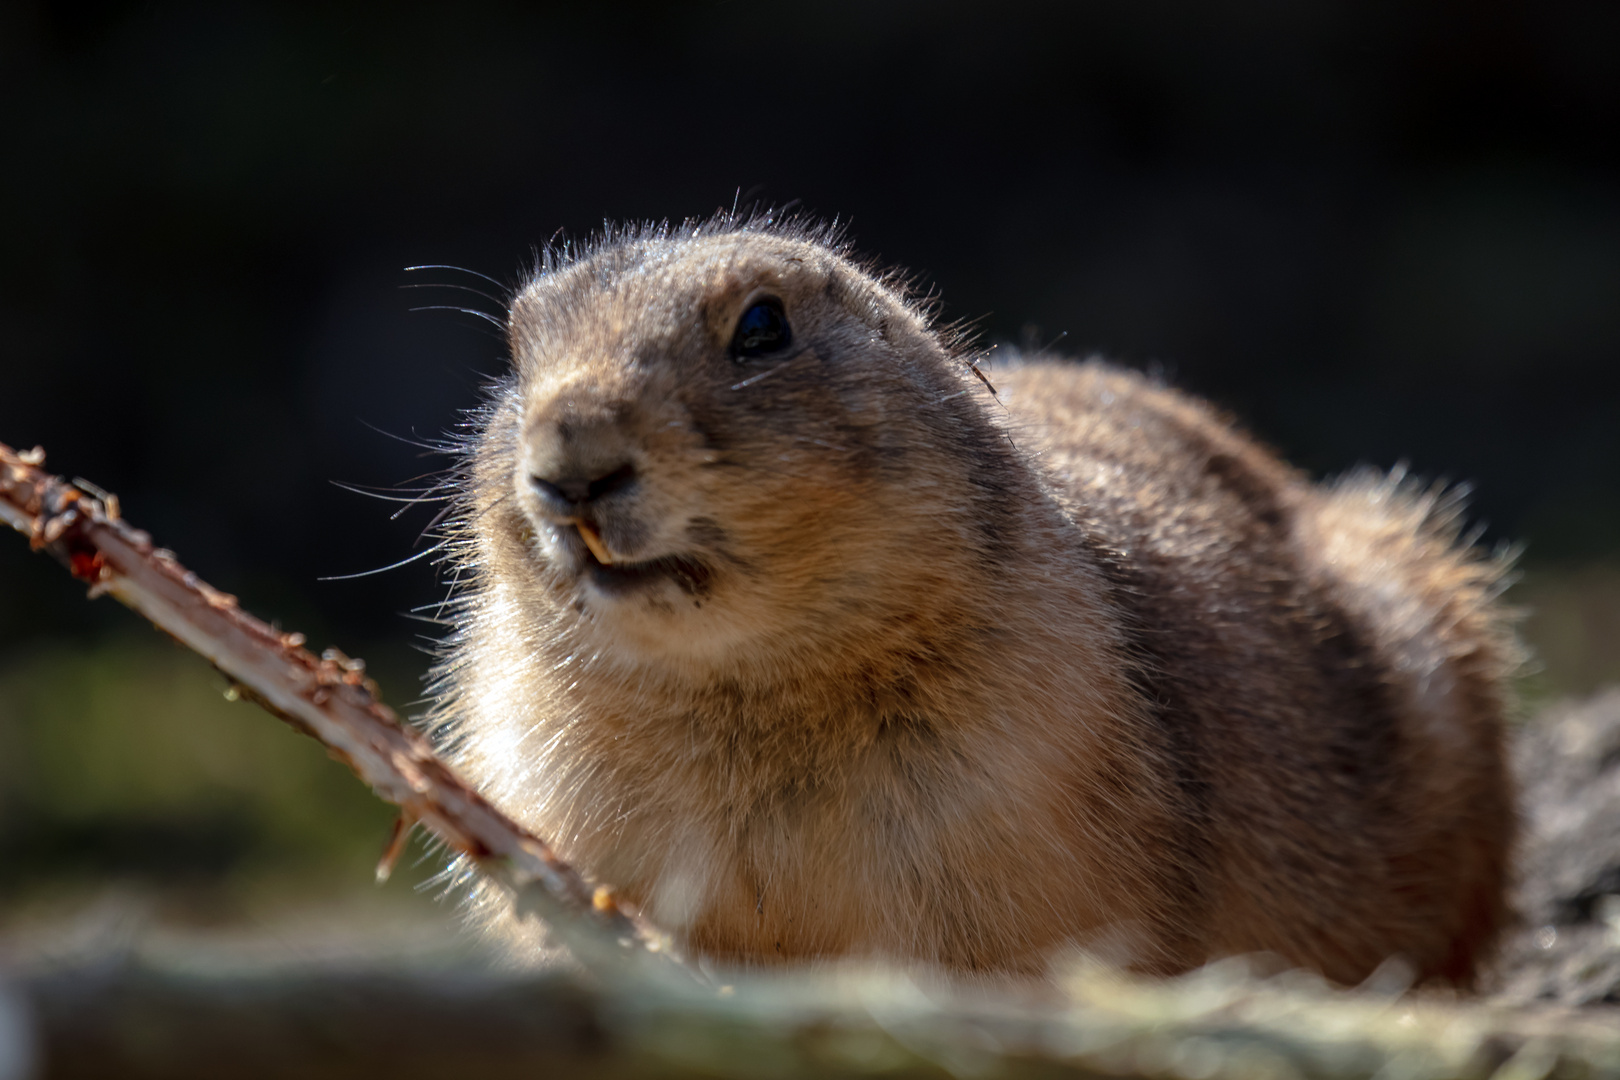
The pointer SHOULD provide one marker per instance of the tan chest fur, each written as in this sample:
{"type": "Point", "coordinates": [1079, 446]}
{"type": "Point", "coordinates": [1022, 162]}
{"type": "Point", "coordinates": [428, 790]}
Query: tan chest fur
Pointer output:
{"type": "Point", "coordinates": [824, 650]}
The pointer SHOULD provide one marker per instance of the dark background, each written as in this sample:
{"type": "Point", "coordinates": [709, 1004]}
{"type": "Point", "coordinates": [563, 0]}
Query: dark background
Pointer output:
{"type": "Point", "coordinates": [1373, 230]}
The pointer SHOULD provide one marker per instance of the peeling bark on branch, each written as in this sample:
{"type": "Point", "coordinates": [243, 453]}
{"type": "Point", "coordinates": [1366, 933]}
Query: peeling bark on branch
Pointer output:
{"type": "Point", "coordinates": [328, 698]}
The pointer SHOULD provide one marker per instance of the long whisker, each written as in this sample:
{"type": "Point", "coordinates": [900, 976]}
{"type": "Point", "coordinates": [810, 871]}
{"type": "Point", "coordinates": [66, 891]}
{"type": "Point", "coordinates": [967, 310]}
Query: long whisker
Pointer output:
{"type": "Point", "coordinates": [384, 569]}
{"type": "Point", "coordinates": [770, 371]}
{"type": "Point", "coordinates": [458, 288]}
{"type": "Point", "coordinates": [415, 496]}
{"type": "Point", "coordinates": [499, 324]}
{"type": "Point", "coordinates": [450, 594]}
{"type": "Point", "coordinates": [426, 619]}
{"type": "Point", "coordinates": [446, 446]}
{"type": "Point", "coordinates": [444, 512]}
{"type": "Point", "coordinates": [457, 269]}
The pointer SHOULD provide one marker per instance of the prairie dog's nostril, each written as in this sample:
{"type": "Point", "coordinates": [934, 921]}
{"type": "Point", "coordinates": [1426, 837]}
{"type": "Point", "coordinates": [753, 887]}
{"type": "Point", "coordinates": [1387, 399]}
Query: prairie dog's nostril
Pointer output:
{"type": "Point", "coordinates": [549, 491]}
{"type": "Point", "coordinates": [575, 489]}
{"type": "Point", "coordinates": [608, 483]}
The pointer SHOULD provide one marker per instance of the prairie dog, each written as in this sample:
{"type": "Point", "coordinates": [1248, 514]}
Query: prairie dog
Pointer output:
{"type": "Point", "coordinates": [781, 623]}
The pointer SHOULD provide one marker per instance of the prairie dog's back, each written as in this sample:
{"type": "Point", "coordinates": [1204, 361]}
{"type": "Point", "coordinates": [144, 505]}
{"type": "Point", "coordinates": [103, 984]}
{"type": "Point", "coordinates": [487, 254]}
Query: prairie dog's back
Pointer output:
{"type": "Point", "coordinates": [782, 625]}
{"type": "Point", "coordinates": [1334, 661]}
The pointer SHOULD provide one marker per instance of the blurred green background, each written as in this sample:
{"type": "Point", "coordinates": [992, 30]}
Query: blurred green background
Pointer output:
{"type": "Point", "coordinates": [1374, 231]}
{"type": "Point", "coordinates": [125, 769]}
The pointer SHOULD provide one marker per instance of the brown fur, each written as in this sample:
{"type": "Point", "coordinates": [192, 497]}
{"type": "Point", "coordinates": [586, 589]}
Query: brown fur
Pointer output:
{"type": "Point", "coordinates": [932, 676]}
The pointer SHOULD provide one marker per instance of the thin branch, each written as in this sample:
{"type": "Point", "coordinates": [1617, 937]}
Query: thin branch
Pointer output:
{"type": "Point", "coordinates": [328, 698]}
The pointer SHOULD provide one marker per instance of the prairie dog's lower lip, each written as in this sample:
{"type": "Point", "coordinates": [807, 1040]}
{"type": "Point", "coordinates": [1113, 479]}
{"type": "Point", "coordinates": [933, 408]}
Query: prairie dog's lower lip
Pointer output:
{"type": "Point", "coordinates": [691, 576]}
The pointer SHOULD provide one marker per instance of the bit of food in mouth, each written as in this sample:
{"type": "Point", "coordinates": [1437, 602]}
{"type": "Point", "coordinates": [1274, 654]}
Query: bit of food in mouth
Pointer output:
{"type": "Point", "coordinates": [593, 541]}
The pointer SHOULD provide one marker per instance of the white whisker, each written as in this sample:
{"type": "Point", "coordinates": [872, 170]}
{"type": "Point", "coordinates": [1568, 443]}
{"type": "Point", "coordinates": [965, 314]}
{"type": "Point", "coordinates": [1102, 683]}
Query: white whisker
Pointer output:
{"type": "Point", "coordinates": [384, 569]}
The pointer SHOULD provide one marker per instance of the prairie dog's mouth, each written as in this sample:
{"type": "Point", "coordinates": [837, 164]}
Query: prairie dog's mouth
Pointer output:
{"type": "Point", "coordinates": [614, 576]}
{"type": "Point", "coordinates": [689, 575]}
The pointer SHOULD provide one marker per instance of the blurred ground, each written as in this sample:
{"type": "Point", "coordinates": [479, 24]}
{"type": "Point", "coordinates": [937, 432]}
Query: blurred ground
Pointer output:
{"type": "Point", "coordinates": [1568, 949]}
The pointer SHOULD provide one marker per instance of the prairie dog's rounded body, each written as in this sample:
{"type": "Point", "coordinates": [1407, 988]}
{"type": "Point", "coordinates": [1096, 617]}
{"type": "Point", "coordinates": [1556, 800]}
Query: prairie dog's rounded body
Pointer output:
{"type": "Point", "coordinates": [783, 626]}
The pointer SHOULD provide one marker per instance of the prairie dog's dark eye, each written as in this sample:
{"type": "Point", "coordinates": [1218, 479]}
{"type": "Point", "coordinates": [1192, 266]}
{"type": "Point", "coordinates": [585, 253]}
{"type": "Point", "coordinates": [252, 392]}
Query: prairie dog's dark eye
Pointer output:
{"type": "Point", "coordinates": [763, 329]}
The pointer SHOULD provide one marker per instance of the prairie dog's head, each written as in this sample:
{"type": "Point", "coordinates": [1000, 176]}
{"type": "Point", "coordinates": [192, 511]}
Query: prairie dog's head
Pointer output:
{"type": "Point", "coordinates": [726, 443]}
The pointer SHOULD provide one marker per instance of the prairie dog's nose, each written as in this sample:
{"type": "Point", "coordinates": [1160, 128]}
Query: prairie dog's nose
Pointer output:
{"type": "Point", "coordinates": [574, 461]}
{"type": "Point", "coordinates": [569, 489]}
